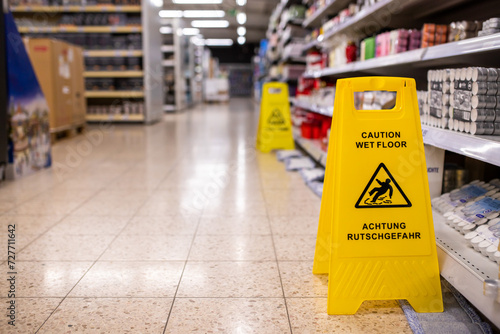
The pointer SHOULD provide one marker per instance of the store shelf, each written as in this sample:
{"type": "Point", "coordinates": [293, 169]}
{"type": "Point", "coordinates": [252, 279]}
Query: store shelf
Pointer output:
{"type": "Point", "coordinates": [288, 59]}
{"type": "Point", "coordinates": [465, 268]}
{"type": "Point", "coordinates": [115, 118]}
{"type": "Point", "coordinates": [484, 148]}
{"type": "Point", "coordinates": [113, 53]}
{"type": "Point", "coordinates": [68, 9]}
{"type": "Point", "coordinates": [363, 19]}
{"type": "Point", "coordinates": [113, 74]}
{"type": "Point", "coordinates": [435, 55]}
{"type": "Point", "coordinates": [311, 44]}
{"type": "Point", "coordinates": [168, 63]}
{"type": "Point", "coordinates": [167, 48]}
{"type": "Point", "coordinates": [326, 111]}
{"type": "Point", "coordinates": [81, 29]}
{"type": "Point", "coordinates": [311, 146]}
{"type": "Point", "coordinates": [114, 94]}
{"type": "Point", "coordinates": [333, 7]}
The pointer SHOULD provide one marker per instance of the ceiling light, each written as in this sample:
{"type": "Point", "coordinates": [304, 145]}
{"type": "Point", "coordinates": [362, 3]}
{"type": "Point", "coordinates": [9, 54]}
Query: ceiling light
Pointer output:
{"type": "Point", "coordinates": [194, 2]}
{"type": "Point", "coordinates": [157, 3]}
{"type": "Point", "coordinates": [190, 31]}
{"type": "Point", "coordinates": [166, 30]}
{"type": "Point", "coordinates": [204, 13]}
{"type": "Point", "coordinates": [219, 42]}
{"type": "Point", "coordinates": [198, 41]}
{"type": "Point", "coordinates": [241, 31]}
{"type": "Point", "coordinates": [241, 18]}
{"type": "Point", "coordinates": [170, 13]}
{"type": "Point", "coordinates": [241, 40]}
{"type": "Point", "coordinates": [210, 23]}
{"type": "Point", "coordinates": [241, 2]}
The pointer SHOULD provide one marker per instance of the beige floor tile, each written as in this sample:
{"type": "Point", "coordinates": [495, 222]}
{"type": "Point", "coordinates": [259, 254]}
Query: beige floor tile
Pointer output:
{"type": "Point", "coordinates": [285, 196]}
{"type": "Point", "coordinates": [46, 207]}
{"type": "Point", "coordinates": [21, 241]}
{"type": "Point", "coordinates": [232, 248]}
{"type": "Point", "coordinates": [165, 225]}
{"type": "Point", "coordinates": [130, 279]}
{"type": "Point", "coordinates": [28, 224]}
{"type": "Point", "coordinates": [53, 247]}
{"type": "Point", "coordinates": [299, 281]}
{"type": "Point", "coordinates": [295, 247]}
{"type": "Point", "coordinates": [148, 248]}
{"type": "Point", "coordinates": [30, 314]}
{"type": "Point", "coordinates": [226, 315]}
{"type": "Point", "coordinates": [308, 315]}
{"type": "Point", "coordinates": [90, 225]}
{"type": "Point", "coordinates": [228, 208]}
{"type": "Point", "coordinates": [234, 225]}
{"type": "Point", "coordinates": [294, 209]}
{"type": "Point", "coordinates": [98, 207]}
{"type": "Point", "coordinates": [299, 225]}
{"type": "Point", "coordinates": [157, 207]}
{"type": "Point", "coordinates": [46, 279]}
{"type": "Point", "coordinates": [110, 194]}
{"type": "Point", "coordinates": [109, 315]}
{"type": "Point", "coordinates": [230, 279]}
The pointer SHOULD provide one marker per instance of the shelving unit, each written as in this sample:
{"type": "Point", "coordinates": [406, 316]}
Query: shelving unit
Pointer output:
{"type": "Point", "coordinates": [148, 29]}
{"type": "Point", "coordinates": [462, 266]}
{"type": "Point", "coordinates": [178, 53]}
{"type": "Point", "coordinates": [113, 74]}
{"type": "Point", "coordinates": [77, 9]}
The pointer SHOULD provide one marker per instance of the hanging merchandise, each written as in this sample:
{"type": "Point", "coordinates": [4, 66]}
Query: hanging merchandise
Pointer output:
{"type": "Point", "coordinates": [28, 113]}
{"type": "Point", "coordinates": [376, 235]}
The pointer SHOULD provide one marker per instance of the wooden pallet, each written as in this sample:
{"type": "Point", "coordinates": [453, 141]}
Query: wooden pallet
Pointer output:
{"type": "Point", "coordinates": [66, 132]}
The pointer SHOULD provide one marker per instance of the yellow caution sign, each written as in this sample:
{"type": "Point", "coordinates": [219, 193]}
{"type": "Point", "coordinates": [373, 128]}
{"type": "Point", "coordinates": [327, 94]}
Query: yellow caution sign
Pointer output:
{"type": "Point", "coordinates": [275, 126]}
{"type": "Point", "coordinates": [375, 234]}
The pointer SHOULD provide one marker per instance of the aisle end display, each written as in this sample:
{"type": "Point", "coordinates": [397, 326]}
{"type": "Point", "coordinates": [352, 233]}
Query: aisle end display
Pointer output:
{"type": "Point", "coordinates": [28, 112]}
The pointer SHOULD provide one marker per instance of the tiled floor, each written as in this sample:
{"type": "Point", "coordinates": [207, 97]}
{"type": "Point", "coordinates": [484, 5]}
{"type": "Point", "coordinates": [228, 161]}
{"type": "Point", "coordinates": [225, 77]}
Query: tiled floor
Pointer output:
{"type": "Point", "coordinates": [172, 228]}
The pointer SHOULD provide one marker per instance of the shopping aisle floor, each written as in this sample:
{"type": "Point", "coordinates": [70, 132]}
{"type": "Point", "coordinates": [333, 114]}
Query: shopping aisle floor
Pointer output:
{"type": "Point", "coordinates": [176, 227]}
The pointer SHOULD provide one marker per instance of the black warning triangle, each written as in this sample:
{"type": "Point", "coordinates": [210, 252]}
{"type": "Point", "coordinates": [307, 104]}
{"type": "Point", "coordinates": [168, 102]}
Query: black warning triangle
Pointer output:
{"type": "Point", "coordinates": [276, 118]}
{"type": "Point", "coordinates": [382, 191]}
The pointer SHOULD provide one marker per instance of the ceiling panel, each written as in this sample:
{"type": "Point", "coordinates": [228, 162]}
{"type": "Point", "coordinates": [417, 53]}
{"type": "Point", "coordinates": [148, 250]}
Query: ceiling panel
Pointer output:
{"type": "Point", "coordinates": [258, 13]}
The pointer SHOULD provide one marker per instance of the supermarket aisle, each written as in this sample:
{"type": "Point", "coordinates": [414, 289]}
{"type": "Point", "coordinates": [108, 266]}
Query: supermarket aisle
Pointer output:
{"type": "Point", "coordinates": [177, 227]}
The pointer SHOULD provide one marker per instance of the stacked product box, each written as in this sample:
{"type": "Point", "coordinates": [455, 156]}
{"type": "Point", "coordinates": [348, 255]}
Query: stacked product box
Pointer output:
{"type": "Point", "coordinates": [470, 101]}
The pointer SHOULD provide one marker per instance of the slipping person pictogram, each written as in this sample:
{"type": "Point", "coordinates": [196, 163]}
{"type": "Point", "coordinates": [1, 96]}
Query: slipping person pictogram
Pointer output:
{"type": "Point", "coordinates": [384, 186]}
{"type": "Point", "coordinates": [385, 194]}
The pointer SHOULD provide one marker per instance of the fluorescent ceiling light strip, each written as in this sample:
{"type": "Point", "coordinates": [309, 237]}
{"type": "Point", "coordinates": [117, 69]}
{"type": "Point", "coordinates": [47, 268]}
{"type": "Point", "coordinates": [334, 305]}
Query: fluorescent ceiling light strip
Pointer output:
{"type": "Point", "coordinates": [204, 13]}
{"type": "Point", "coordinates": [241, 40]}
{"type": "Point", "coordinates": [241, 18]}
{"type": "Point", "coordinates": [241, 31]}
{"type": "Point", "coordinates": [190, 31]}
{"type": "Point", "coordinates": [219, 42]}
{"type": "Point", "coordinates": [166, 30]}
{"type": "Point", "coordinates": [241, 2]}
{"type": "Point", "coordinates": [170, 13]}
{"type": "Point", "coordinates": [195, 2]}
{"type": "Point", "coordinates": [210, 23]}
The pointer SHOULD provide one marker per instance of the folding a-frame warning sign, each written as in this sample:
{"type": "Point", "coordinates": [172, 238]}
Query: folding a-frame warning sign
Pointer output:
{"type": "Point", "coordinates": [375, 234]}
{"type": "Point", "coordinates": [275, 125]}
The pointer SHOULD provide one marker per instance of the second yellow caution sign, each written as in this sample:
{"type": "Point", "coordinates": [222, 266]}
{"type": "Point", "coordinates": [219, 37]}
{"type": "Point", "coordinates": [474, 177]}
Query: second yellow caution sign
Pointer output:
{"type": "Point", "coordinates": [376, 236]}
{"type": "Point", "coordinates": [275, 125]}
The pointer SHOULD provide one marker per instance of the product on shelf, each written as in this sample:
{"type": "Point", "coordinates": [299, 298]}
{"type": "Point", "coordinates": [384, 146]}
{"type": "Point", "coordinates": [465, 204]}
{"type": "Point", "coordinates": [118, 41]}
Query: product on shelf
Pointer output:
{"type": "Point", "coordinates": [470, 101]}
{"type": "Point", "coordinates": [491, 26]}
{"type": "Point", "coordinates": [125, 108]}
{"type": "Point", "coordinates": [473, 210]}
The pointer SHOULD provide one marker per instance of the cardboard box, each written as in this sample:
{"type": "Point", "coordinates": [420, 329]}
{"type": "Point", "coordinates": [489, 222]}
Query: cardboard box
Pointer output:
{"type": "Point", "coordinates": [59, 69]}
